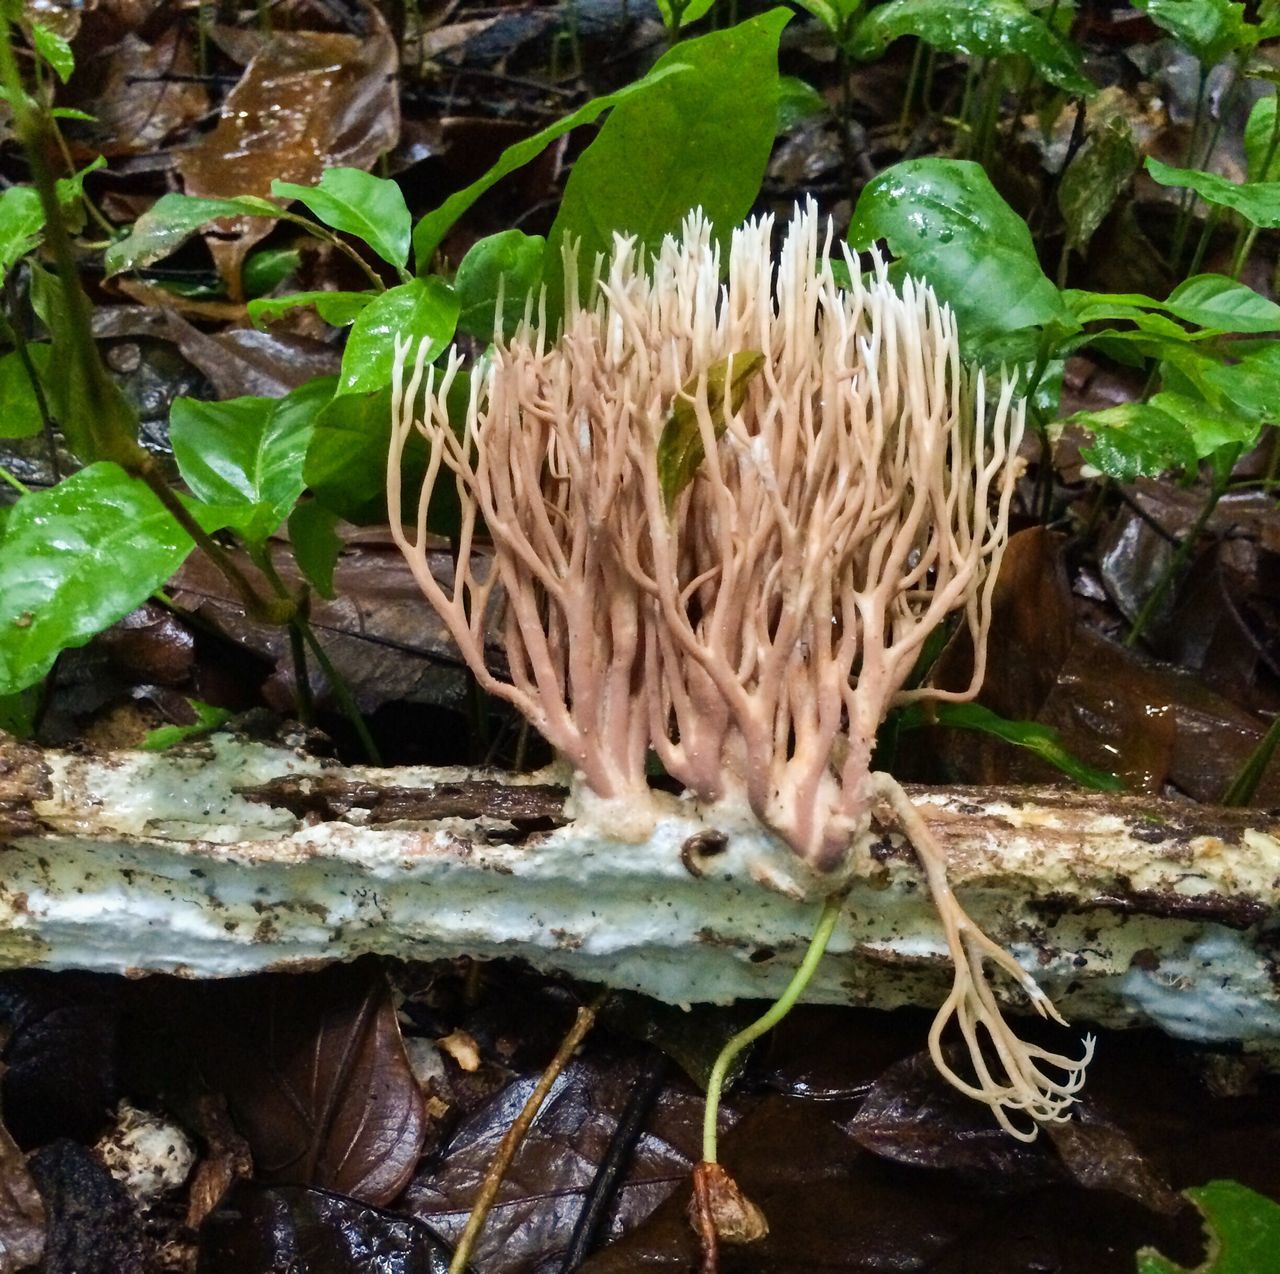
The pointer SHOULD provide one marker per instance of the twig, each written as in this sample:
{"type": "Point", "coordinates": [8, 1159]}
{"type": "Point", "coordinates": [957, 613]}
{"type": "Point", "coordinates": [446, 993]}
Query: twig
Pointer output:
{"type": "Point", "coordinates": [516, 1133]}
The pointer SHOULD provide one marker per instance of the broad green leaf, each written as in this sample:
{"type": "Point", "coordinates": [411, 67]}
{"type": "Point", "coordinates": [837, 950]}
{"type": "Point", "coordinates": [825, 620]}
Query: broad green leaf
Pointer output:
{"type": "Point", "coordinates": [1093, 181]}
{"type": "Point", "coordinates": [1209, 28]}
{"type": "Point", "coordinates": [1171, 431]}
{"type": "Point", "coordinates": [511, 259]}
{"type": "Point", "coordinates": [1242, 1228]}
{"type": "Point", "coordinates": [19, 407]}
{"type": "Point", "coordinates": [975, 28]}
{"type": "Point", "coordinates": [1043, 740]}
{"type": "Point", "coordinates": [947, 224]}
{"type": "Point", "coordinates": [1262, 141]}
{"type": "Point", "coordinates": [358, 203]}
{"type": "Point", "coordinates": [699, 140]}
{"type": "Point", "coordinates": [54, 49]}
{"type": "Point", "coordinates": [417, 309]}
{"type": "Point", "coordinates": [338, 308]}
{"type": "Point", "coordinates": [1257, 201]}
{"type": "Point", "coordinates": [1251, 384]}
{"type": "Point", "coordinates": [21, 221]}
{"type": "Point", "coordinates": [75, 559]}
{"type": "Point", "coordinates": [267, 268]}
{"type": "Point", "coordinates": [248, 453]}
{"type": "Point", "coordinates": [208, 719]}
{"type": "Point", "coordinates": [1213, 300]}
{"type": "Point", "coordinates": [798, 101]}
{"type": "Point", "coordinates": [430, 231]}
{"type": "Point", "coordinates": [171, 221]}
{"type": "Point", "coordinates": [316, 544]}
{"type": "Point", "coordinates": [680, 449]}
{"type": "Point", "coordinates": [346, 465]}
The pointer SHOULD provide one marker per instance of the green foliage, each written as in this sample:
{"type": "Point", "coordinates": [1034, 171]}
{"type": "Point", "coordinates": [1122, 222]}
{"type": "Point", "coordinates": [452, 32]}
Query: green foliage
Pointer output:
{"type": "Point", "coordinates": [247, 454]}
{"type": "Point", "coordinates": [268, 267]}
{"type": "Point", "coordinates": [511, 262]}
{"type": "Point", "coordinates": [338, 308]}
{"type": "Point", "coordinates": [681, 449]}
{"type": "Point", "coordinates": [975, 28]}
{"type": "Point", "coordinates": [1209, 28]}
{"type": "Point", "coordinates": [946, 223]}
{"type": "Point", "coordinates": [316, 544]}
{"type": "Point", "coordinates": [1243, 1230]}
{"type": "Point", "coordinates": [346, 465]}
{"type": "Point", "coordinates": [1215, 301]}
{"type": "Point", "coordinates": [21, 221]}
{"type": "Point", "coordinates": [1262, 141]}
{"type": "Point", "coordinates": [76, 558]}
{"type": "Point", "coordinates": [677, 14]}
{"type": "Point", "coordinates": [1095, 179]}
{"type": "Point", "coordinates": [1043, 740]}
{"type": "Point", "coordinates": [417, 309]}
{"type": "Point", "coordinates": [695, 140]}
{"type": "Point", "coordinates": [21, 415]}
{"type": "Point", "coordinates": [171, 221]}
{"type": "Point", "coordinates": [430, 231]}
{"type": "Point", "coordinates": [838, 16]}
{"type": "Point", "coordinates": [358, 203]}
{"type": "Point", "coordinates": [1256, 201]}
{"type": "Point", "coordinates": [208, 719]}
{"type": "Point", "coordinates": [54, 50]}
{"type": "Point", "coordinates": [798, 101]}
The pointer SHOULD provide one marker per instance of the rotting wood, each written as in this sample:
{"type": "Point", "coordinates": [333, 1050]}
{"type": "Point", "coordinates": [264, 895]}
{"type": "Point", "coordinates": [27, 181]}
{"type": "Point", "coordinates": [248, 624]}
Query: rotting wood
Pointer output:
{"type": "Point", "coordinates": [230, 857]}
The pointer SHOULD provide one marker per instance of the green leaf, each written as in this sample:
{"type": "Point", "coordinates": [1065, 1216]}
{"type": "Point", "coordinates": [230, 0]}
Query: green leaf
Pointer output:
{"type": "Point", "coordinates": [430, 231]}
{"type": "Point", "coordinates": [208, 719]}
{"type": "Point", "coordinates": [70, 192]}
{"type": "Point", "coordinates": [511, 259]}
{"type": "Point", "coordinates": [1095, 179]}
{"type": "Point", "coordinates": [316, 544]}
{"type": "Point", "coordinates": [798, 101]}
{"type": "Point", "coordinates": [1172, 431]}
{"type": "Point", "coordinates": [20, 417]}
{"type": "Point", "coordinates": [1213, 300]}
{"type": "Point", "coordinates": [70, 112]}
{"type": "Point", "coordinates": [75, 559]}
{"type": "Point", "coordinates": [700, 140]}
{"type": "Point", "coordinates": [267, 268]}
{"type": "Point", "coordinates": [1257, 201]}
{"type": "Point", "coordinates": [20, 711]}
{"type": "Point", "coordinates": [1262, 142]}
{"type": "Point", "coordinates": [417, 309]}
{"type": "Point", "coordinates": [337, 308]}
{"type": "Point", "coordinates": [346, 465]}
{"type": "Point", "coordinates": [358, 203]}
{"type": "Point", "coordinates": [21, 221]}
{"type": "Point", "coordinates": [54, 49]}
{"type": "Point", "coordinates": [1043, 740]}
{"type": "Point", "coordinates": [947, 224]}
{"type": "Point", "coordinates": [171, 221]}
{"type": "Point", "coordinates": [676, 16]}
{"type": "Point", "coordinates": [1242, 1228]}
{"type": "Point", "coordinates": [1209, 28]}
{"type": "Point", "coordinates": [680, 449]}
{"type": "Point", "coordinates": [975, 28]}
{"type": "Point", "coordinates": [247, 454]}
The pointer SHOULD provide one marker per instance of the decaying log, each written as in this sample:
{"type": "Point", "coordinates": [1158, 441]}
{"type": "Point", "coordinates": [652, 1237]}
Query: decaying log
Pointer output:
{"type": "Point", "coordinates": [231, 856]}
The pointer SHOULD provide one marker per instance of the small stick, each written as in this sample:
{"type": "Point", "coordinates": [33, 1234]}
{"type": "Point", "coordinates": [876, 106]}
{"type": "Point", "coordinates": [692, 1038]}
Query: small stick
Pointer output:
{"type": "Point", "coordinates": [516, 1133]}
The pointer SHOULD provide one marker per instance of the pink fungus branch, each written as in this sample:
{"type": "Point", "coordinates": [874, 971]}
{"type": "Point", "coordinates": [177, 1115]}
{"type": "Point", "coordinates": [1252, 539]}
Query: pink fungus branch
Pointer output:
{"type": "Point", "coordinates": [753, 619]}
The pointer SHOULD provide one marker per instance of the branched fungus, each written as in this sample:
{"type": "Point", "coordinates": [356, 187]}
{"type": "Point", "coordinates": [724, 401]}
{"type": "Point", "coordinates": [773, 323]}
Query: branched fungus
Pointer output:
{"type": "Point", "coordinates": [725, 517]}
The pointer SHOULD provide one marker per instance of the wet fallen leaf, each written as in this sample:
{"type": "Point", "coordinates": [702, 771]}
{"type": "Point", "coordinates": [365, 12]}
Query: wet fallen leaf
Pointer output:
{"type": "Point", "coordinates": [293, 1228]}
{"type": "Point", "coordinates": [22, 1216]}
{"type": "Point", "coordinates": [316, 1079]}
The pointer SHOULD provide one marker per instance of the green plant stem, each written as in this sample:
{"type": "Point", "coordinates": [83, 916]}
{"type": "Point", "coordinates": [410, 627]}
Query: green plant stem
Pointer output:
{"type": "Point", "coordinates": [831, 909]}
{"type": "Point", "coordinates": [908, 97]}
{"type": "Point", "coordinates": [963, 124]}
{"type": "Point", "coordinates": [993, 75]}
{"type": "Point", "coordinates": [342, 692]}
{"type": "Point", "coordinates": [11, 329]}
{"type": "Point", "coordinates": [1245, 784]}
{"type": "Point", "coordinates": [1155, 599]}
{"type": "Point", "coordinates": [1206, 236]}
{"type": "Point", "coordinates": [1245, 239]}
{"type": "Point", "coordinates": [17, 484]}
{"type": "Point", "coordinates": [1185, 202]}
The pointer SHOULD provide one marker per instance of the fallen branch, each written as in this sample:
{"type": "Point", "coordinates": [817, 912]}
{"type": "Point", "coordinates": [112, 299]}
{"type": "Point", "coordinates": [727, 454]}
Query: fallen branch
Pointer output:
{"type": "Point", "coordinates": [231, 857]}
